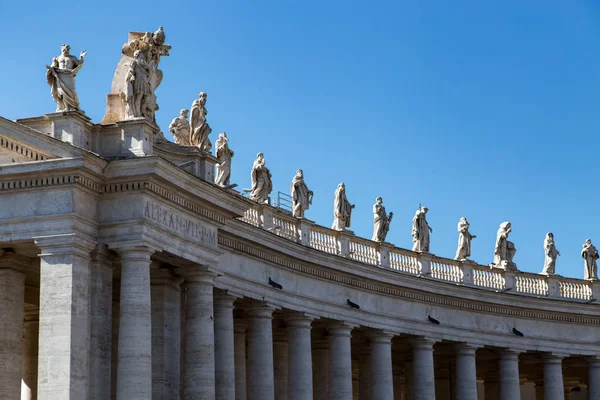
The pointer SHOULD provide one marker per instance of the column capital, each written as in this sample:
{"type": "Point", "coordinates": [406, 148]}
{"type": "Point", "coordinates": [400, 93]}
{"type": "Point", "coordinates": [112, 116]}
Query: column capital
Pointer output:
{"type": "Point", "coordinates": [381, 336]}
{"type": "Point", "coordinates": [223, 301]}
{"type": "Point", "coordinates": [340, 329]}
{"type": "Point", "coordinates": [553, 358]}
{"type": "Point", "coordinates": [422, 343]}
{"type": "Point", "coordinates": [71, 243]}
{"type": "Point", "coordinates": [200, 276]}
{"type": "Point", "coordinates": [508, 354]}
{"type": "Point", "coordinates": [466, 349]}
{"type": "Point", "coordinates": [299, 319]}
{"type": "Point", "coordinates": [102, 254]}
{"type": "Point", "coordinates": [240, 325]}
{"type": "Point", "coordinates": [260, 310]}
{"type": "Point", "coordinates": [135, 253]}
{"type": "Point", "coordinates": [594, 361]}
{"type": "Point", "coordinates": [165, 276]}
{"type": "Point", "coordinates": [15, 262]}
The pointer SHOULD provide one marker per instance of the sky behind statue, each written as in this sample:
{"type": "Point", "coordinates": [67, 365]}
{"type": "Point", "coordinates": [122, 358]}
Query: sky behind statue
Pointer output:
{"type": "Point", "coordinates": [488, 110]}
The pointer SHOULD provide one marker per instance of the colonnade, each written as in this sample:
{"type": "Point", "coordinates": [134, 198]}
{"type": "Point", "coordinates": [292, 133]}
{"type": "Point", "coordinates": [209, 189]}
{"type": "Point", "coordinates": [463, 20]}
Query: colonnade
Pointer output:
{"type": "Point", "coordinates": [179, 337]}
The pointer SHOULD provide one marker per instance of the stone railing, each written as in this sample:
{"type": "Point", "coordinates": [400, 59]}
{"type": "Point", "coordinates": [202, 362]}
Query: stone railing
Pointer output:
{"type": "Point", "coordinates": [387, 256]}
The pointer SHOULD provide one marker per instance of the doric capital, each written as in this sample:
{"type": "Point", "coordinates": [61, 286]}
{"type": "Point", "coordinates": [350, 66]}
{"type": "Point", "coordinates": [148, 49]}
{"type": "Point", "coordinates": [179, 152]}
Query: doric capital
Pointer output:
{"type": "Point", "coordinates": [466, 349]}
{"type": "Point", "coordinates": [68, 244]}
{"type": "Point", "coordinates": [103, 255]}
{"type": "Point", "coordinates": [260, 310]}
{"type": "Point", "coordinates": [299, 319]}
{"type": "Point", "coordinates": [422, 343]}
{"type": "Point", "coordinates": [340, 329]}
{"type": "Point", "coordinates": [379, 336]}
{"type": "Point", "coordinates": [509, 354]}
{"type": "Point", "coordinates": [553, 358]}
{"type": "Point", "coordinates": [15, 262]}
{"type": "Point", "coordinates": [165, 276]}
{"type": "Point", "coordinates": [240, 325]}
{"type": "Point", "coordinates": [223, 301]}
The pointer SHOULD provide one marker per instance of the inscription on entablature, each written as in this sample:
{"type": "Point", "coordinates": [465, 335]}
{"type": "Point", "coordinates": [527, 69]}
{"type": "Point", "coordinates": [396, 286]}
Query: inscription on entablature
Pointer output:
{"type": "Point", "coordinates": [180, 224]}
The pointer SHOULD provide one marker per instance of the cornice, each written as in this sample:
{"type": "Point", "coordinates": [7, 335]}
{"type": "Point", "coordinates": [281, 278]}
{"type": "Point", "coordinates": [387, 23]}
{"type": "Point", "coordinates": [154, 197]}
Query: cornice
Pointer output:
{"type": "Point", "coordinates": [409, 294]}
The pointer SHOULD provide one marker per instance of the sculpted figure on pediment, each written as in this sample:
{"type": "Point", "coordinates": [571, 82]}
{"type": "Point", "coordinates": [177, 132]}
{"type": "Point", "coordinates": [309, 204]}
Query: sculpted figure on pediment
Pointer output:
{"type": "Point", "coordinates": [551, 254]}
{"type": "Point", "coordinates": [224, 154]}
{"type": "Point", "coordinates": [301, 195]}
{"type": "Point", "coordinates": [381, 221]}
{"type": "Point", "coordinates": [464, 240]}
{"type": "Point", "coordinates": [261, 180]}
{"type": "Point", "coordinates": [342, 209]}
{"type": "Point", "coordinates": [589, 253]}
{"type": "Point", "coordinates": [61, 78]}
{"type": "Point", "coordinates": [180, 128]}
{"type": "Point", "coordinates": [421, 230]}
{"type": "Point", "coordinates": [504, 250]}
{"type": "Point", "coordinates": [199, 128]}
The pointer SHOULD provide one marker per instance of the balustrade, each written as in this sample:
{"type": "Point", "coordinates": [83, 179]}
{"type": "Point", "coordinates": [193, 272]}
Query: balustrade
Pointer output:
{"type": "Point", "coordinates": [488, 278]}
{"type": "Point", "coordinates": [574, 289]}
{"type": "Point", "coordinates": [446, 270]}
{"type": "Point", "coordinates": [530, 284]}
{"type": "Point", "coordinates": [284, 227]}
{"type": "Point", "coordinates": [364, 251]}
{"type": "Point", "coordinates": [404, 260]}
{"type": "Point", "coordinates": [324, 240]}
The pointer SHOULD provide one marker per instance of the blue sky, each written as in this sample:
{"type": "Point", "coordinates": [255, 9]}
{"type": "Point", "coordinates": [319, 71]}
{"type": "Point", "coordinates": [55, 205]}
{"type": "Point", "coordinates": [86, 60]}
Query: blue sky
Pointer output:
{"type": "Point", "coordinates": [488, 110]}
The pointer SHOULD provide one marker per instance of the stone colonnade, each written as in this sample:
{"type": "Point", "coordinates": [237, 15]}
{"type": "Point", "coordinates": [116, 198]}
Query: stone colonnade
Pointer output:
{"type": "Point", "coordinates": [182, 338]}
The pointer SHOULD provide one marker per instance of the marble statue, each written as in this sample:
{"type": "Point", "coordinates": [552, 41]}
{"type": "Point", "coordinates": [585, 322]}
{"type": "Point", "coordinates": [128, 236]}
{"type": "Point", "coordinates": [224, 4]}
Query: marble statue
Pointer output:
{"type": "Point", "coordinates": [61, 78]}
{"type": "Point", "coordinates": [224, 154]}
{"type": "Point", "coordinates": [342, 209]}
{"type": "Point", "coordinates": [504, 250]}
{"type": "Point", "coordinates": [381, 221]}
{"type": "Point", "coordinates": [464, 240]}
{"type": "Point", "coordinates": [138, 95]}
{"type": "Point", "coordinates": [551, 254]}
{"type": "Point", "coordinates": [590, 255]}
{"type": "Point", "coordinates": [199, 128]}
{"type": "Point", "coordinates": [421, 230]}
{"type": "Point", "coordinates": [180, 128]}
{"type": "Point", "coordinates": [261, 180]}
{"type": "Point", "coordinates": [301, 195]}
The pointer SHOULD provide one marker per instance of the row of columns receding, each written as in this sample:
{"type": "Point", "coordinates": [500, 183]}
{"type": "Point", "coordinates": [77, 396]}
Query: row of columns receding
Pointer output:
{"type": "Point", "coordinates": [167, 338]}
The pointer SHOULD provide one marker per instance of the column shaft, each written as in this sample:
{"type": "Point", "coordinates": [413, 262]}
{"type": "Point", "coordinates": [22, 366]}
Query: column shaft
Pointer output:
{"type": "Point", "coordinates": [280, 363]}
{"type": "Point", "coordinates": [320, 367]}
{"type": "Point", "coordinates": [300, 358]}
{"type": "Point", "coordinates": [240, 359]}
{"type": "Point", "coordinates": [510, 385]}
{"type": "Point", "coordinates": [553, 378]}
{"type": "Point", "coordinates": [12, 294]}
{"type": "Point", "coordinates": [364, 373]}
{"type": "Point", "coordinates": [199, 372]}
{"type": "Point", "coordinates": [260, 354]}
{"type": "Point", "coordinates": [31, 328]}
{"type": "Point", "coordinates": [382, 382]}
{"type": "Point", "coordinates": [594, 378]}
{"type": "Point", "coordinates": [340, 362]}
{"type": "Point", "coordinates": [466, 373]}
{"type": "Point", "coordinates": [423, 371]}
{"type": "Point", "coordinates": [134, 365]}
{"type": "Point", "coordinates": [224, 348]}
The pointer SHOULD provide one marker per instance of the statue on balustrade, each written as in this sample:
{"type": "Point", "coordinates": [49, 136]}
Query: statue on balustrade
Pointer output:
{"type": "Point", "coordinates": [590, 255]}
{"type": "Point", "coordinates": [421, 230]}
{"type": "Point", "coordinates": [505, 250]}
{"type": "Point", "coordinates": [261, 180]}
{"type": "Point", "coordinates": [199, 128]}
{"type": "Point", "coordinates": [342, 209]}
{"type": "Point", "coordinates": [224, 154]}
{"type": "Point", "coordinates": [464, 240]}
{"type": "Point", "coordinates": [139, 97]}
{"type": "Point", "coordinates": [61, 78]}
{"type": "Point", "coordinates": [301, 195]}
{"type": "Point", "coordinates": [381, 221]}
{"type": "Point", "coordinates": [180, 128]}
{"type": "Point", "coordinates": [551, 254]}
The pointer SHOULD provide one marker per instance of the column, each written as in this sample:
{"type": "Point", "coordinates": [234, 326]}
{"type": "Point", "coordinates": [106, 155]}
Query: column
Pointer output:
{"type": "Point", "coordinates": [510, 386]}
{"type": "Point", "coordinates": [199, 371]}
{"type": "Point", "coordinates": [300, 385]}
{"type": "Point", "coordinates": [280, 363]}
{"type": "Point", "coordinates": [29, 369]}
{"type": "Point", "coordinates": [466, 372]}
{"type": "Point", "coordinates": [594, 377]}
{"type": "Point", "coordinates": [134, 363]}
{"type": "Point", "coordinates": [423, 371]}
{"type": "Point", "coordinates": [340, 362]}
{"type": "Point", "coordinates": [166, 332]}
{"type": "Point", "coordinates": [399, 382]}
{"type": "Point", "coordinates": [364, 372]}
{"type": "Point", "coordinates": [491, 389]}
{"type": "Point", "coordinates": [553, 377]}
{"type": "Point", "coordinates": [382, 383]}
{"type": "Point", "coordinates": [224, 348]}
{"type": "Point", "coordinates": [241, 328]}
{"type": "Point", "coordinates": [64, 334]}
{"type": "Point", "coordinates": [12, 297]}
{"type": "Point", "coordinates": [260, 383]}
{"type": "Point", "coordinates": [320, 368]}
{"type": "Point", "coordinates": [101, 323]}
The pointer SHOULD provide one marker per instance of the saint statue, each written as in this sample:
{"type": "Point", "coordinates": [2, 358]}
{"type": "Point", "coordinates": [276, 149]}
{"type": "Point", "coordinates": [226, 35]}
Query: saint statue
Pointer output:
{"type": "Point", "coordinates": [421, 230]}
{"type": "Point", "coordinates": [180, 128]}
{"type": "Point", "coordinates": [261, 180]}
{"type": "Point", "coordinates": [224, 154]}
{"type": "Point", "coordinates": [138, 92]}
{"type": "Point", "coordinates": [381, 221]}
{"type": "Point", "coordinates": [464, 240]}
{"type": "Point", "coordinates": [590, 255]}
{"type": "Point", "coordinates": [504, 250]}
{"type": "Point", "coordinates": [199, 128]}
{"type": "Point", "coordinates": [342, 209]}
{"type": "Point", "coordinates": [61, 78]}
{"type": "Point", "coordinates": [551, 254]}
{"type": "Point", "coordinates": [301, 196]}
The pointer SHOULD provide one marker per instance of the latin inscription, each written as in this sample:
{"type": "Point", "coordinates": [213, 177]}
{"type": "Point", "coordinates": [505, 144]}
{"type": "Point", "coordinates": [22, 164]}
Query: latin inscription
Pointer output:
{"type": "Point", "coordinates": [180, 224]}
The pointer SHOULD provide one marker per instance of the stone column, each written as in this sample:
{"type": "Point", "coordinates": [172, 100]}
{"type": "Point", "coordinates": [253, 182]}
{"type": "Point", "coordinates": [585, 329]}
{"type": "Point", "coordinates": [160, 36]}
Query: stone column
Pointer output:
{"type": "Point", "coordinates": [320, 368]}
{"type": "Point", "coordinates": [280, 363]}
{"type": "Point", "coordinates": [423, 376]}
{"type": "Point", "coordinates": [101, 322]}
{"type": "Point", "coordinates": [64, 335]}
{"type": "Point", "coordinates": [340, 362]}
{"type": "Point", "coordinates": [166, 332]}
{"type": "Point", "coordinates": [466, 372]}
{"type": "Point", "coordinates": [241, 328]}
{"type": "Point", "coordinates": [260, 380]}
{"type": "Point", "coordinates": [12, 297]}
{"type": "Point", "coordinates": [134, 365]}
{"type": "Point", "coordinates": [382, 383]}
{"type": "Point", "coordinates": [224, 348]}
{"type": "Point", "coordinates": [553, 377]}
{"type": "Point", "coordinates": [594, 378]}
{"type": "Point", "coordinates": [199, 371]}
{"type": "Point", "coordinates": [300, 385]}
{"type": "Point", "coordinates": [364, 372]}
{"type": "Point", "coordinates": [29, 369]}
{"type": "Point", "coordinates": [510, 385]}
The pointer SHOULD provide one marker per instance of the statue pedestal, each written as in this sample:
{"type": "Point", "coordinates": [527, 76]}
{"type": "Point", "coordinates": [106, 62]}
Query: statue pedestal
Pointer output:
{"type": "Point", "coordinates": [133, 138]}
{"type": "Point", "coordinates": [189, 158]}
{"type": "Point", "coordinates": [69, 126]}
{"type": "Point", "coordinates": [115, 109]}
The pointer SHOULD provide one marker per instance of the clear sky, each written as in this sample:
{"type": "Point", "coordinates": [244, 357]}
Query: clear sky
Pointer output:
{"type": "Point", "coordinates": [483, 109]}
